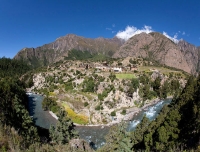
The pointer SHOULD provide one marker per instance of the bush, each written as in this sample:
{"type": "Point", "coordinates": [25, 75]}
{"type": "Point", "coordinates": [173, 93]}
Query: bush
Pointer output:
{"type": "Point", "coordinates": [54, 109]}
{"type": "Point", "coordinates": [98, 107]}
{"type": "Point", "coordinates": [68, 86]}
{"type": "Point", "coordinates": [113, 113]}
{"type": "Point", "coordinates": [86, 104]}
{"type": "Point", "coordinates": [123, 112]}
{"type": "Point", "coordinates": [100, 97]}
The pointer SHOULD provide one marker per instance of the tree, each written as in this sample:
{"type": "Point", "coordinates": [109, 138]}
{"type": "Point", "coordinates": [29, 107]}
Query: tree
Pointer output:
{"type": "Point", "coordinates": [50, 104]}
{"type": "Point", "coordinates": [118, 139]}
{"type": "Point", "coordinates": [133, 86]}
{"type": "Point", "coordinates": [156, 86]}
{"type": "Point", "coordinates": [140, 129]}
{"type": "Point", "coordinates": [162, 138]}
{"type": "Point", "coordinates": [164, 90]}
{"type": "Point", "coordinates": [146, 92]}
{"type": "Point", "coordinates": [112, 77]}
{"type": "Point", "coordinates": [64, 130]}
{"type": "Point", "coordinates": [89, 85]}
{"type": "Point", "coordinates": [13, 110]}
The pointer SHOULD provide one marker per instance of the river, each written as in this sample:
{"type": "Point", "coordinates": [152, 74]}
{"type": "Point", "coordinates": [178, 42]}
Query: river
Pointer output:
{"type": "Point", "coordinates": [40, 117]}
{"type": "Point", "coordinates": [94, 135]}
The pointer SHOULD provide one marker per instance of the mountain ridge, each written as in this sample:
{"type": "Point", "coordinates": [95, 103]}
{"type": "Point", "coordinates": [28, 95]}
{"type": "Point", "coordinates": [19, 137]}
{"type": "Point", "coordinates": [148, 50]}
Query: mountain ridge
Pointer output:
{"type": "Point", "coordinates": [57, 50]}
{"type": "Point", "coordinates": [154, 46]}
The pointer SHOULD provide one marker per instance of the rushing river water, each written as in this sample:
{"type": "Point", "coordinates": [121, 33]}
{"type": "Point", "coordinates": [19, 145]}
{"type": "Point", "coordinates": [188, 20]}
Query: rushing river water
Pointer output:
{"type": "Point", "coordinates": [151, 113]}
{"type": "Point", "coordinates": [93, 135]}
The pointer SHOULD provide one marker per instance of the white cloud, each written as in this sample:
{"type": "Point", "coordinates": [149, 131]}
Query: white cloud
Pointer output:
{"type": "Point", "coordinates": [174, 39]}
{"type": "Point", "coordinates": [131, 31]}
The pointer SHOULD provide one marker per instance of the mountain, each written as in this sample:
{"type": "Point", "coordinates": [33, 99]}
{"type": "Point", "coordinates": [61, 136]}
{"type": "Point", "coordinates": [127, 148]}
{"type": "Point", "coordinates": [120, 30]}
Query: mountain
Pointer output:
{"type": "Point", "coordinates": [157, 47]}
{"type": "Point", "coordinates": [153, 46]}
{"type": "Point", "coordinates": [60, 48]}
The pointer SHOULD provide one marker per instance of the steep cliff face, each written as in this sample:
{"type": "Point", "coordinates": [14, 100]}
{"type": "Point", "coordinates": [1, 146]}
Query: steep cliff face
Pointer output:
{"type": "Point", "coordinates": [154, 46]}
{"type": "Point", "coordinates": [198, 65]}
{"type": "Point", "coordinates": [191, 54]}
{"type": "Point", "coordinates": [59, 49]}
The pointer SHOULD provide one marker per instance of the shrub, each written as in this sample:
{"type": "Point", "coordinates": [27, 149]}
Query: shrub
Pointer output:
{"type": "Point", "coordinates": [98, 107]}
{"type": "Point", "coordinates": [86, 104]}
{"type": "Point", "coordinates": [123, 112]}
{"type": "Point", "coordinates": [113, 113]}
{"type": "Point", "coordinates": [68, 86]}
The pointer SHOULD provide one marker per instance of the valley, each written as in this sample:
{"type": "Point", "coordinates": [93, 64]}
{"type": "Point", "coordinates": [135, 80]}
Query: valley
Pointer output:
{"type": "Point", "coordinates": [133, 93]}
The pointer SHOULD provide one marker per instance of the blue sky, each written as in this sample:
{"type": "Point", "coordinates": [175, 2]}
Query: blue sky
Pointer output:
{"type": "Point", "coordinates": [32, 23]}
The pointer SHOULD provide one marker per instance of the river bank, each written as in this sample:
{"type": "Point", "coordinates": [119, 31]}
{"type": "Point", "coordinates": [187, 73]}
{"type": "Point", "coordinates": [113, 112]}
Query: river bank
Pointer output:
{"type": "Point", "coordinates": [131, 112]}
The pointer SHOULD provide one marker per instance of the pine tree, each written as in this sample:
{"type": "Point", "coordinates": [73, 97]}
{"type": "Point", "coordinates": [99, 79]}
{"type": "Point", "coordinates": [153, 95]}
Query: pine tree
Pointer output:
{"type": "Point", "coordinates": [118, 139]}
{"type": "Point", "coordinates": [64, 130]}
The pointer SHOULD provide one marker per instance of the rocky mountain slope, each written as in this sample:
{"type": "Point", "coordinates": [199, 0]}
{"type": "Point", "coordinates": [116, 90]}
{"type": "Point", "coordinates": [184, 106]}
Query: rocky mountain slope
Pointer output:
{"type": "Point", "coordinates": [190, 53]}
{"type": "Point", "coordinates": [153, 46]}
{"type": "Point", "coordinates": [60, 48]}
{"type": "Point", "coordinates": [157, 47]}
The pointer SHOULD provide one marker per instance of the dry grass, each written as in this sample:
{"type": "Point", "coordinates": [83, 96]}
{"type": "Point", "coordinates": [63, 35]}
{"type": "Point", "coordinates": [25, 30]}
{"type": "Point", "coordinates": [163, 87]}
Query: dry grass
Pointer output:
{"type": "Point", "coordinates": [76, 118]}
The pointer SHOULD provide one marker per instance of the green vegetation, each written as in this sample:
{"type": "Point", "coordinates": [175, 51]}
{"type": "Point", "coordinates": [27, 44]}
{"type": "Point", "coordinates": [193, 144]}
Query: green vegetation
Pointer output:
{"type": "Point", "coordinates": [76, 118]}
{"type": "Point", "coordinates": [78, 55]}
{"type": "Point", "coordinates": [89, 85]}
{"type": "Point", "coordinates": [64, 130]}
{"type": "Point", "coordinates": [50, 104]}
{"type": "Point", "coordinates": [17, 129]}
{"type": "Point", "coordinates": [13, 107]}
{"type": "Point", "coordinates": [112, 77]}
{"type": "Point", "coordinates": [175, 129]}
{"type": "Point", "coordinates": [85, 55]}
{"type": "Point", "coordinates": [123, 112]}
{"type": "Point", "coordinates": [176, 126]}
{"type": "Point", "coordinates": [113, 113]}
{"type": "Point", "coordinates": [125, 76]}
{"type": "Point", "coordinates": [86, 104]}
{"type": "Point", "coordinates": [133, 86]}
{"type": "Point", "coordinates": [163, 69]}
{"type": "Point", "coordinates": [105, 92]}
{"type": "Point", "coordinates": [12, 68]}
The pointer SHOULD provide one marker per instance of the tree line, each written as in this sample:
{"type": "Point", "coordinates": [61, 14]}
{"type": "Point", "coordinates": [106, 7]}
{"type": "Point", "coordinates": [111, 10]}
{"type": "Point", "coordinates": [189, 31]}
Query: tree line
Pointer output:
{"type": "Point", "coordinates": [176, 128]}
{"type": "Point", "coordinates": [17, 129]}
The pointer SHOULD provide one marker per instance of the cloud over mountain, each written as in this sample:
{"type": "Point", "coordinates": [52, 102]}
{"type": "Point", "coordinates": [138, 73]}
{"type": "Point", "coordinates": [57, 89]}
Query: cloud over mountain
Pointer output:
{"type": "Point", "coordinates": [131, 31]}
{"type": "Point", "coordinates": [174, 39]}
